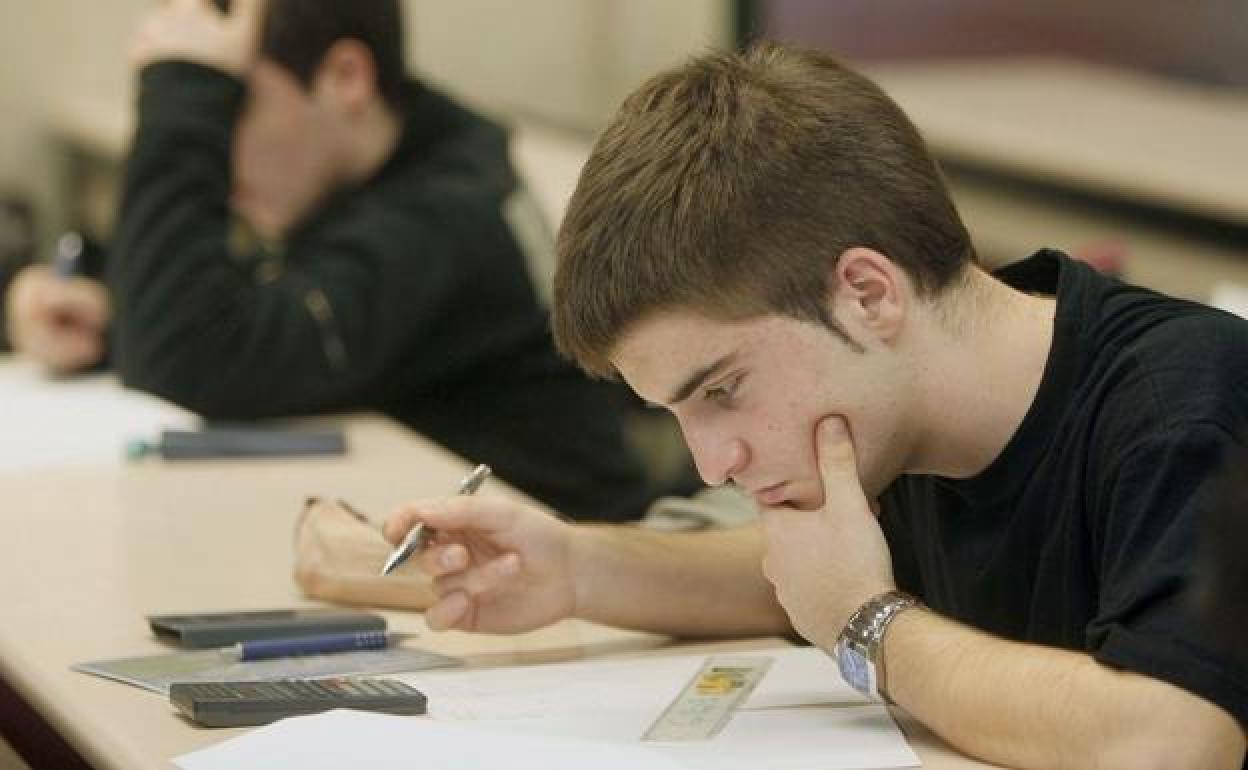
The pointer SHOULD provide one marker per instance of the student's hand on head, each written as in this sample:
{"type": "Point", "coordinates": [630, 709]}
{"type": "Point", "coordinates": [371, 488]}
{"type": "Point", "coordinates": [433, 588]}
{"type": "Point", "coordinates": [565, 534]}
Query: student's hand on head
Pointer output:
{"type": "Point", "coordinates": [498, 566]}
{"type": "Point", "coordinates": [826, 563]}
{"type": "Point", "coordinates": [60, 322]}
{"type": "Point", "coordinates": [338, 558]}
{"type": "Point", "coordinates": [196, 31]}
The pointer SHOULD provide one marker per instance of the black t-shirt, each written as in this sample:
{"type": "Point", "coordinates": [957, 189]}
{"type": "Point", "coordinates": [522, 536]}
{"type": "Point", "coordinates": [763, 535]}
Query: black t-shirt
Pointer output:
{"type": "Point", "coordinates": [1083, 532]}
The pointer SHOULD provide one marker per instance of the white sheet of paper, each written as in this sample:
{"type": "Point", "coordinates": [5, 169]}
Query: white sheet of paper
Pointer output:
{"type": "Point", "coordinates": [81, 421]}
{"type": "Point", "coordinates": [799, 676]}
{"type": "Point", "coordinates": [802, 716]}
{"type": "Point", "coordinates": [800, 738]}
{"type": "Point", "coordinates": [350, 739]}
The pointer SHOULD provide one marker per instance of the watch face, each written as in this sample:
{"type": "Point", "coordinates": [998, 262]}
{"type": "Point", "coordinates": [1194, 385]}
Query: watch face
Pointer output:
{"type": "Point", "coordinates": [857, 670]}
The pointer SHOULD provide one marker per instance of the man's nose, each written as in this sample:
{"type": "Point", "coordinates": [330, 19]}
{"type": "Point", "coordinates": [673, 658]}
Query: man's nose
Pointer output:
{"type": "Point", "coordinates": [719, 460]}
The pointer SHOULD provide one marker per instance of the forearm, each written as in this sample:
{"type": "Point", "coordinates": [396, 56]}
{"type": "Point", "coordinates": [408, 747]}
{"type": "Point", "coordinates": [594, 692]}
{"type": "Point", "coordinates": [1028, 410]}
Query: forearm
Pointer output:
{"type": "Point", "coordinates": [170, 270]}
{"type": "Point", "coordinates": [192, 324]}
{"type": "Point", "coordinates": [689, 584]}
{"type": "Point", "coordinates": [1029, 706]}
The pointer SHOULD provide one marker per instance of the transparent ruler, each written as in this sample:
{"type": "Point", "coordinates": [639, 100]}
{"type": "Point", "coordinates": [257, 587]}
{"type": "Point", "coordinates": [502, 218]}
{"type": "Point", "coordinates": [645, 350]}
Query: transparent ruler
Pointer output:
{"type": "Point", "coordinates": [706, 703]}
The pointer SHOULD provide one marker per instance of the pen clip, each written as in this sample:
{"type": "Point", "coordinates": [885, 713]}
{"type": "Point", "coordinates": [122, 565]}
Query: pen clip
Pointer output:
{"type": "Point", "coordinates": [67, 254]}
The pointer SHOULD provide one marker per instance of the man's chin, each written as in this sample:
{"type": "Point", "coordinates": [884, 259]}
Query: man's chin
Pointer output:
{"type": "Point", "coordinates": [265, 227]}
{"type": "Point", "coordinates": [260, 219]}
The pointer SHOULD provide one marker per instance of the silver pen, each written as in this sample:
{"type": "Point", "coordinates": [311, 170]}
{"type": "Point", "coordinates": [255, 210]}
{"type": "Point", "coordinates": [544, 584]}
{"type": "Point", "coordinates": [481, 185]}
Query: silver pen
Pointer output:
{"type": "Point", "coordinates": [420, 535]}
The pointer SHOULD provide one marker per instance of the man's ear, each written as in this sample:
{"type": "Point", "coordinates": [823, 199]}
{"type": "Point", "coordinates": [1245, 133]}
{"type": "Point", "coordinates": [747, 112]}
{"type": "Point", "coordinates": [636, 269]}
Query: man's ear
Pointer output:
{"type": "Point", "coordinates": [869, 294]}
{"type": "Point", "coordinates": [347, 77]}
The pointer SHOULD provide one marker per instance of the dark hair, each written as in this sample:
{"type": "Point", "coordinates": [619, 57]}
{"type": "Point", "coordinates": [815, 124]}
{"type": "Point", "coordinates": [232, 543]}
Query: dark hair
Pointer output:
{"type": "Point", "coordinates": [730, 185]}
{"type": "Point", "coordinates": [298, 33]}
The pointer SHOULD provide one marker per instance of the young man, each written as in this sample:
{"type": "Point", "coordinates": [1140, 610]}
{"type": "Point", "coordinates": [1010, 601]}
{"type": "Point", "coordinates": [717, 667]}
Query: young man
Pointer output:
{"type": "Point", "coordinates": [761, 244]}
{"type": "Point", "coordinates": [392, 281]}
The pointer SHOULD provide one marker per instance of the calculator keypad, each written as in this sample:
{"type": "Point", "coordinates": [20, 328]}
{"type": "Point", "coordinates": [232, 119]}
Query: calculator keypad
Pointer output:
{"type": "Point", "coordinates": [240, 703]}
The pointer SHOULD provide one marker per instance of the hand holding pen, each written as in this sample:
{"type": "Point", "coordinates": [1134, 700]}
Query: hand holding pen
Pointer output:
{"type": "Point", "coordinates": [420, 535]}
{"type": "Point", "coordinates": [499, 565]}
{"type": "Point", "coordinates": [56, 316]}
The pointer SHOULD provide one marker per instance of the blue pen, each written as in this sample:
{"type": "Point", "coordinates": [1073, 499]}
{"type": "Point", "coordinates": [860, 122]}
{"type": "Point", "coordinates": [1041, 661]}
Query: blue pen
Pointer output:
{"type": "Point", "coordinates": [263, 649]}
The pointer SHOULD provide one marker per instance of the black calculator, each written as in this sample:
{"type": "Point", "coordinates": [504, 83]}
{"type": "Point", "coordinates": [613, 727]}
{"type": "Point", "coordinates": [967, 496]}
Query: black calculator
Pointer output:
{"type": "Point", "coordinates": [238, 704]}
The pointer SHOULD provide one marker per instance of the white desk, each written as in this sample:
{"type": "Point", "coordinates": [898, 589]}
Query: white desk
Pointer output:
{"type": "Point", "coordinates": [88, 552]}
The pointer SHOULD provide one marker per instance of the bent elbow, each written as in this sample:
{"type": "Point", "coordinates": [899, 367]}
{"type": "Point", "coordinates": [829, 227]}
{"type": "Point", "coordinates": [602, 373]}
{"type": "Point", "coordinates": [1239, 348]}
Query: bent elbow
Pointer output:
{"type": "Point", "coordinates": [194, 391]}
{"type": "Point", "coordinates": [1202, 747]}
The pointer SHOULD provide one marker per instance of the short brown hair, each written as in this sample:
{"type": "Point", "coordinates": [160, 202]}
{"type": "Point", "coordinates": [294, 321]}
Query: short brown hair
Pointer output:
{"type": "Point", "coordinates": [730, 185]}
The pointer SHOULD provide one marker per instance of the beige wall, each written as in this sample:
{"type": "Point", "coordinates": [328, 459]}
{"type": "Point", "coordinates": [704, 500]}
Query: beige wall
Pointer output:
{"type": "Point", "coordinates": [566, 61]}
{"type": "Point", "coordinates": [51, 51]}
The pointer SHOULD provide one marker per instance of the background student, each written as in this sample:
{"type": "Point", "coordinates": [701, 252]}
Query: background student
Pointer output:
{"type": "Point", "coordinates": [385, 273]}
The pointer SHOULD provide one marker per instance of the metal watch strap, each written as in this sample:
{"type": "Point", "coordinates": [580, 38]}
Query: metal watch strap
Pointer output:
{"type": "Point", "coordinates": [867, 626]}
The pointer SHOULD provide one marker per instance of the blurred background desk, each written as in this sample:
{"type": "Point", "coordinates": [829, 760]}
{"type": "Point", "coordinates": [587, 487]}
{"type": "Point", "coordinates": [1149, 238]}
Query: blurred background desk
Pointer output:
{"type": "Point", "coordinates": [1087, 158]}
{"type": "Point", "coordinates": [1108, 132]}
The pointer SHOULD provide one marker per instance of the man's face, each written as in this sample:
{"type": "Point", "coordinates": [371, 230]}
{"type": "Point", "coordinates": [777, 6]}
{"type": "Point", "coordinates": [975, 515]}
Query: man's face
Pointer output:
{"type": "Point", "coordinates": [284, 160]}
{"type": "Point", "coordinates": [749, 394]}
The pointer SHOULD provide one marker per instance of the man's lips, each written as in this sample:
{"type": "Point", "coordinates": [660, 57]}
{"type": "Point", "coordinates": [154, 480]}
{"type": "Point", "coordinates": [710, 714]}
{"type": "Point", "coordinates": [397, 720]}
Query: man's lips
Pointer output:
{"type": "Point", "coordinates": [772, 495]}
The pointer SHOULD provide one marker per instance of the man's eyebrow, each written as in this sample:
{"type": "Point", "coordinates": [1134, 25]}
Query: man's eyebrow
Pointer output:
{"type": "Point", "coordinates": [700, 376]}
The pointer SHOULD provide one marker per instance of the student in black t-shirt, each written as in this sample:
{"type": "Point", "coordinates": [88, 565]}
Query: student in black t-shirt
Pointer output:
{"type": "Point", "coordinates": [761, 244]}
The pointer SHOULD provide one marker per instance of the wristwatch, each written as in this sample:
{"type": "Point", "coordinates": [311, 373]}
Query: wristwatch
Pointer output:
{"type": "Point", "coordinates": [859, 649]}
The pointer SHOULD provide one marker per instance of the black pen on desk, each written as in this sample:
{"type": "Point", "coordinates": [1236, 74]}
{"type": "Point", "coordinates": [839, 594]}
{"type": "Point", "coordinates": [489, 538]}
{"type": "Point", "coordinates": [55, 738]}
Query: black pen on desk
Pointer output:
{"type": "Point", "coordinates": [238, 441]}
{"type": "Point", "coordinates": [317, 644]}
{"type": "Point", "coordinates": [420, 535]}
